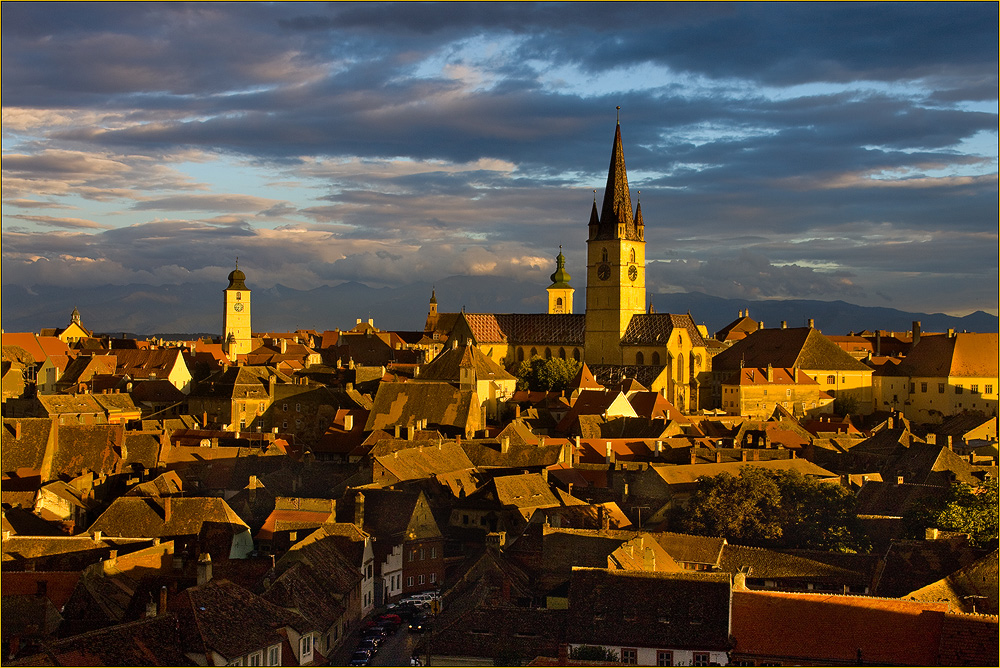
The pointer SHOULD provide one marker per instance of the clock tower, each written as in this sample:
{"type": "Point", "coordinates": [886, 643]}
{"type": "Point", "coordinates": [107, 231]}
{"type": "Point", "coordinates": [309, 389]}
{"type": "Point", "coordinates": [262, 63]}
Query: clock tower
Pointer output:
{"type": "Point", "coordinates": [236, 316]}
{"type": "Point", "coordinates": [616, 265]}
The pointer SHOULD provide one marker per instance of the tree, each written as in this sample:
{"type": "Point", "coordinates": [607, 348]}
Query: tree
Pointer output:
{"type": "Point", "coordinates": [594, 653]}
{"type": "Point", "coordinates": [965, 509]}
{"type": "Point", "coordinates": [781, 509]}
{"type": "Point", "coordinates": [547, 375]}
{"type": "Point", "coordinates": [741, 509]}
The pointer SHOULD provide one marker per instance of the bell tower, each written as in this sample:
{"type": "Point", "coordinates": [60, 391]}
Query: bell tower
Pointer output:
{"type": "Point", "coordinates": [616, 265]}
{"type": "Point", "coordinates": [236, 336]}
{"type": "Point", "coordinates": [560, 292]}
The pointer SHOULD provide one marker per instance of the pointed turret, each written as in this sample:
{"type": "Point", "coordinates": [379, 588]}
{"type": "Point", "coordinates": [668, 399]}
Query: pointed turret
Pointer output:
{"type": "Point", "coordinates": [595, 220]}
{"type": "Point", "coordinates": [616, 213]}
{"type": "Point", "coordinates": [639, 225]}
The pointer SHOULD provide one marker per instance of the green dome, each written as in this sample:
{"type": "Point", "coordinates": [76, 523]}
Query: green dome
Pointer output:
{"type": "Point", "coordinates": [560, 279]}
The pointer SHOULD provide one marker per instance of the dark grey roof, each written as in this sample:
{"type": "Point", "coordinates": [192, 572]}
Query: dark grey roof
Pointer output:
{"type": "Point", "coordinates": [649, 609]}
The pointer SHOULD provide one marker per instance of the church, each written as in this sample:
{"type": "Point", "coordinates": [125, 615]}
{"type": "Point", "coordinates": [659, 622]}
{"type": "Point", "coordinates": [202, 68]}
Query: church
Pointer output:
{"type": "Point", "coordinates": [617, 336]}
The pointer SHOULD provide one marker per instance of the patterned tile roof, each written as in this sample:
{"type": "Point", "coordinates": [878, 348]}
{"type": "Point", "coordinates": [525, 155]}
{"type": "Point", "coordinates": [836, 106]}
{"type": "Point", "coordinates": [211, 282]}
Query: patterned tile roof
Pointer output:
{"type": "Point", "coordinates": [656, 328]}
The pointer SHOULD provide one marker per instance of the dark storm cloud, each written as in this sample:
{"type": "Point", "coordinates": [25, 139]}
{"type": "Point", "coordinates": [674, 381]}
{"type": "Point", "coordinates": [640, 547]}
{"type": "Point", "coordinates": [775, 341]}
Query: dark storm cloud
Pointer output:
{"type": "Point", "coordinates": [741, 178]}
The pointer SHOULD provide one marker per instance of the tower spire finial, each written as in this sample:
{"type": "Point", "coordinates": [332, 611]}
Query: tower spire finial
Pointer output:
{"type": "Point", "coordinates": [618, 114]}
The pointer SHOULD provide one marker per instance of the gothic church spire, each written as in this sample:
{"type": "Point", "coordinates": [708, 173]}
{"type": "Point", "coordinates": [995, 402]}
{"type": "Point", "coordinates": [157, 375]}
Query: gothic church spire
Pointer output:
{"type": "Point", "coordinates": [617, 221]}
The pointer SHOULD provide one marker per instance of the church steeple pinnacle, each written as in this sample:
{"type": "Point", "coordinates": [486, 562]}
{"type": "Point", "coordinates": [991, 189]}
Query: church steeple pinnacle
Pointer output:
{"type": "Point", "coordinates": [616, 220]}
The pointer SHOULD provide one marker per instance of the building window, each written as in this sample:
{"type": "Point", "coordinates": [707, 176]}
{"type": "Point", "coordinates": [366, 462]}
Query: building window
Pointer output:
{"type": "Point", "coordinates": [558, 301]}
{"type": "Point", "coordinates": [664, 658]}
{"type": "Point", "coordinates": [420, 579]}
{"type": "Point", "coordinates": [236, 662]}
{"type": "Point", "coordinates": [640, 359]}
{"type": "Point", "coordinates": [298, 408]}
{"type": "Point", "coordinates": [413, 553]}
{"type": "Point", "coordinates": [974, 388]}
{"type": "Point", "coordinates": [604, 255]}
{"type": "Point", "coordinates": [421, 554]}
{"type": "Point", "coordinates": [239, 296]}
{"type": "Point", "coordinates": [989, 389]}
{"type": "Point", "coordinates": [284, 424]}
{"type": "Point", "coordinates": [923, 387]}
{"type": "Point", "coordinates": [656, 358]}
{"type": "Point", "coordinates": [256, 659]}
{"type": "Point", "coordinates": [284, 407]}
{"type": "Point", "coordinates": [434, 578]}
{"type": "Point", "coordinates": [913, 388]}
{"type": "Point", "coordinates": [409, 581]}
{"type": "Point", "coordinates": [305, 647]}
{"type": "Point", "coordinates": [701, 658]}
{"type": "Point", "coordinates": [830, 380]}
{"type": "Point", "coordinates": [274, 655]}
{"type": "Point", "coordinates": [434, 553]}
{"type": "Point", "coordinates": [940, 388]}
{"type": "Point", "coordinates": [958, 389]}
{"type": "Point", "coordinates": [629, 655]}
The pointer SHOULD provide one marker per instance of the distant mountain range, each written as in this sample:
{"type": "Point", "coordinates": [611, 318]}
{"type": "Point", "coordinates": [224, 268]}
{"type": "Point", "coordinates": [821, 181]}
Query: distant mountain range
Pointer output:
{"type": "Point", "coordinates": [191, 308]}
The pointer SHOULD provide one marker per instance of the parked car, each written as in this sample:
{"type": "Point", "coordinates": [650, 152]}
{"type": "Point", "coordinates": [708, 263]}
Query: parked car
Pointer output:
{"type": "Point", "coordinates": [390, 617]}
{"type": "Point", "coordinates": [387, 627]}
{"type": "Point", "coordinates": [370, 643]}
{"type": "Point", "coordinates": [361, 657]}
{"type": "Point", "coordinates": [405, 611]}
{"type": "Point", "coordinates": [415, 661]}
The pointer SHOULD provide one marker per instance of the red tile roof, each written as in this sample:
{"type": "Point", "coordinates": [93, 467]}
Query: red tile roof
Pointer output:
{"type": "Point", "coordinates": [832, 628]}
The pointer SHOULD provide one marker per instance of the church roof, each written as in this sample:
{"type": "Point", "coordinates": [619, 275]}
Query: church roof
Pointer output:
{"type": "Point", "coordinates": [656, 328]}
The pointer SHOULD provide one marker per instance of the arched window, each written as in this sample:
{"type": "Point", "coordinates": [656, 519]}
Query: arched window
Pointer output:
{"type": "Point", "coordinates": [238, 295]}
{"type": "Point", "coordinates": [656, 358]}
{"type": "Point", "coordinates": [534, 351]}
{"type": "Point", "coordinates": [520, 354]}
{"type": "Point", "coordinates": [604, 255]}
{"type": "Point", "coordinates": [558, 301]}
{"type": "Point", "coordinates": [576, 354]}
{"type": "Point", "coordinates": [640, 359]}
{"type": "Point", "coordinates": [548, 353]}
{"type": "Point", "coordinates": [633, 255]}
{"type": "Point", "coordinates": [562, 353]}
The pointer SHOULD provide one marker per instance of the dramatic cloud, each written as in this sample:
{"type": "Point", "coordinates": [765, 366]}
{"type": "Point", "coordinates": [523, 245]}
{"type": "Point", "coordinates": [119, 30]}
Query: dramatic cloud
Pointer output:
{"type": "Point", "coordinates": [782, 150]}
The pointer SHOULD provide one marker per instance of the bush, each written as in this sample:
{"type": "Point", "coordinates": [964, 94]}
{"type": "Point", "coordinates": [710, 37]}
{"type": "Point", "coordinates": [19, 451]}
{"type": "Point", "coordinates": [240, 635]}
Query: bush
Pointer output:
{"type": "Point", "coordinates": [594, 653]}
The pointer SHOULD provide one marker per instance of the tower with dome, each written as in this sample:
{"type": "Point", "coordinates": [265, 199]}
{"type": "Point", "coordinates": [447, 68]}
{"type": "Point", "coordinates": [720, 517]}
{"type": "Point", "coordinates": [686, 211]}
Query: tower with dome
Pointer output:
{"type": "Point", "coordinates": [236, 332]}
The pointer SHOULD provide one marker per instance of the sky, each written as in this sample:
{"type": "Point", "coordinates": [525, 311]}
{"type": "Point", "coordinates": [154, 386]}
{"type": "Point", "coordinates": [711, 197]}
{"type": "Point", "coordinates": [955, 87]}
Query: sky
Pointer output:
{"type": "Point", "coordinates": [808, 151]}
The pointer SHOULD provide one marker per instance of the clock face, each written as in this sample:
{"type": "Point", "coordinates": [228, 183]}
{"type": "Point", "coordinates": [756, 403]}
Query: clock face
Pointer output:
{"type": "Point", "coordinates": [237, 307]}
{"type": "Point", "coordinates": [633, 273]}
{"type": "Point", "coordinates": [603, 272]}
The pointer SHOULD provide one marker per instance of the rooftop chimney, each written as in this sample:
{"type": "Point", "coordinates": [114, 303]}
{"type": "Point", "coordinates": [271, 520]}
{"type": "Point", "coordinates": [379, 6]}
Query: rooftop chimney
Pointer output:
{"type": "Point", "coordinates": [348, 422]}
{"type": "Point", "coordinates": [916, 331]}
{"type": "Point", "coordinates": [812, 323]}
{"type": "Point", "coordinates": [760, 325]}
{"type": "Point", "coordinates": [609, 453]}
{"type": "Point", "coordinates": [204, 568]}
{"type": "Point", "coordinates": [162, 609]}
{"type": "Point", "coordinates": [784, 324]}
{"type": "Point", "coordinates": [359, 509]}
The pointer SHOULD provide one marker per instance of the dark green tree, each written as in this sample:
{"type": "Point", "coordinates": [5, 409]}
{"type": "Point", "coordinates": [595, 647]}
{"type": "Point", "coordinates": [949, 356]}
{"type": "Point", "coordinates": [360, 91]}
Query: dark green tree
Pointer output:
{"type": "Point", "coordinates": [547, 375]}
{"type": "Point", "coordinates": [966, 509]}
{"type": "Point", "coordinates": [773, 509]}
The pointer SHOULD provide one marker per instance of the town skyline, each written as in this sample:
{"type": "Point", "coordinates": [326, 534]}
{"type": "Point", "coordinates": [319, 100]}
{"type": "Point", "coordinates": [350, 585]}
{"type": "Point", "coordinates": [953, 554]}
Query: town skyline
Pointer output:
{"type": "Point", "coordinates": [386, 146]}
